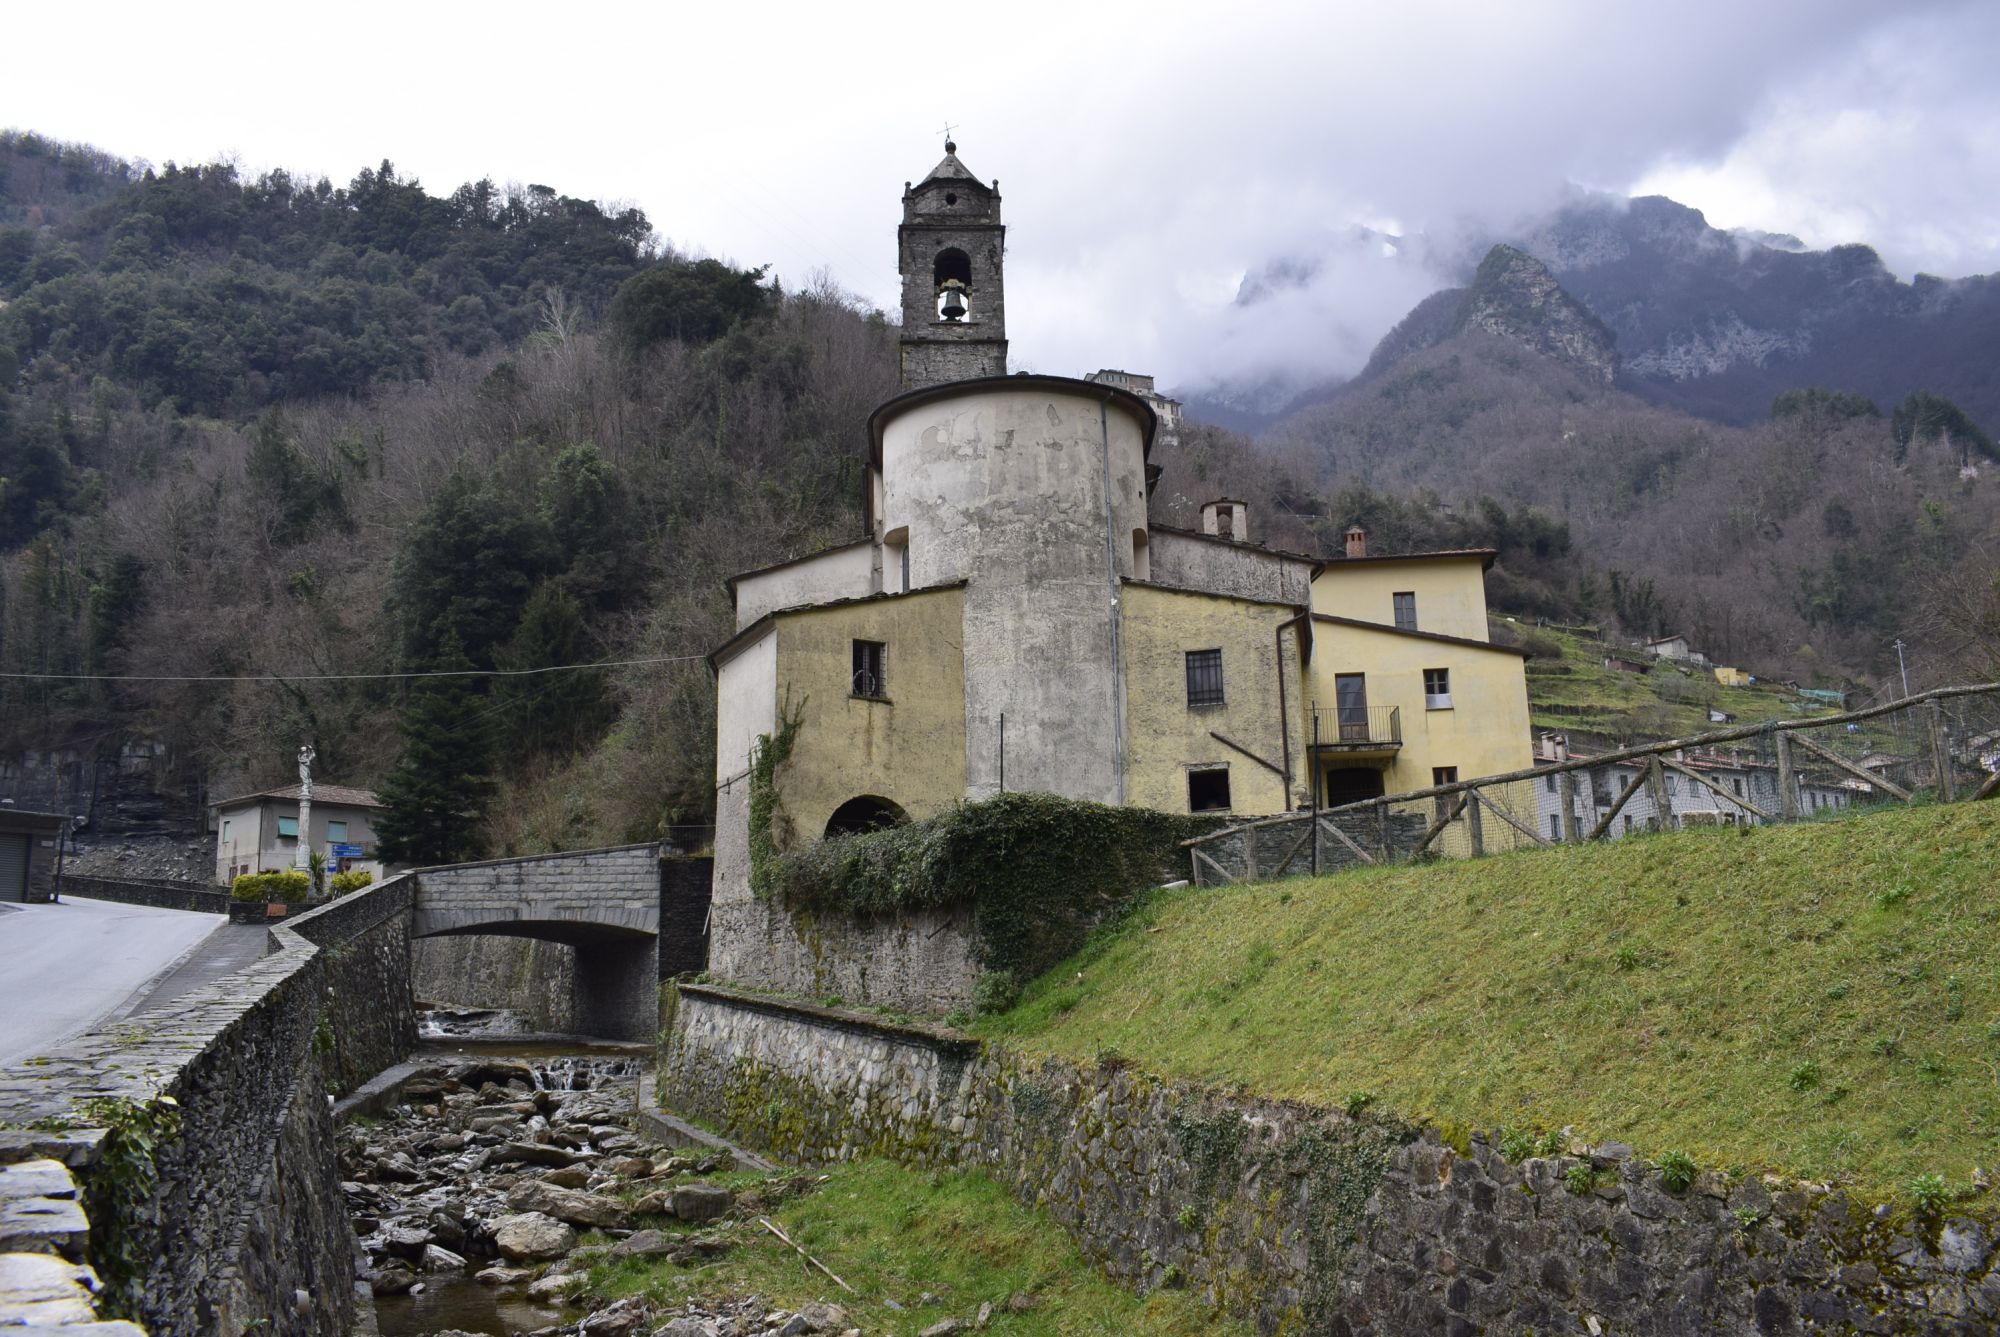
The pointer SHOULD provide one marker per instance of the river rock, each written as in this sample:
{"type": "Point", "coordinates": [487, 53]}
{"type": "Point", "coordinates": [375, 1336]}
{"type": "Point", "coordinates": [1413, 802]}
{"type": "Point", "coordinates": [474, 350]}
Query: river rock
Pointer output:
{"type": "Point", "coordinates": [579, 1209]}
{"type": "Point", "coordinates": [405, 1239]}
{"type": "Point", "coordinates": [645, 1244]}
{"type": "Point", "coordinates": [532, 1235]}
{"type": "Point", "coordinates": [535, 1153]}
{"type": "Point", "coordinates": [570, 1176]}
{"type": "Point", "coordinates": [442, 1260]}
{"type": "Point", "coordinates": [823, 1317]}
{"type": "Point", "coordinates": [688, 1327]}
{"type": "Point", "coordinates": [395, 1280]}
{"type": "Point", "coordinates": [630, 1167]}
{"type": "Point", "coordinates": [653, 1204]}
{"type": "Point", "coordinates": [616, 1320]}
{"type": "Point", "coordinates": [503, 1276]}
{"type": "Point", "coordinates": [557, 1286]}
{"type": "Point", "coordinates": [699, 1202]}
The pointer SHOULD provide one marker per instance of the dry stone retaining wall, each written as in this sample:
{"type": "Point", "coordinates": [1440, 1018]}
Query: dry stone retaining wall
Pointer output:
{"type": "Point", "coordinates": [243, 1224]}
{"type": "Point", "coordinates": [1307, 1218]}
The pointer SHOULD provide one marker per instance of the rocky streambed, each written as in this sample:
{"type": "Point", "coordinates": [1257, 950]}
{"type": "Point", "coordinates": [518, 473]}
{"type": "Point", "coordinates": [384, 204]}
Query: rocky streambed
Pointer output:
{"type": "Point", "coordinates": [481, 1202]}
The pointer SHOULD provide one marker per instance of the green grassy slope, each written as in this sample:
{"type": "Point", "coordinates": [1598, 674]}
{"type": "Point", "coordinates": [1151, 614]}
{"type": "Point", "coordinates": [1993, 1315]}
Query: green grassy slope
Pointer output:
{"type": "Point", "coordinates": [1820, 1000]}
{"type": "Point", "coordinates": [898, 1236]}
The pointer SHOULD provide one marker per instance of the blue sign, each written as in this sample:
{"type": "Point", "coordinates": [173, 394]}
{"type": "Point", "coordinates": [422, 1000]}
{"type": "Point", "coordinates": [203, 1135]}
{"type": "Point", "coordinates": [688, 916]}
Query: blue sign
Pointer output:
{"type": "Point", "coordinates": [349, 851]}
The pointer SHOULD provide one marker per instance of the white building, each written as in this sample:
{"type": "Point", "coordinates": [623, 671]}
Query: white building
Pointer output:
{"type": "Point", "coordinates": [1755, 783]}
{"type": "Point", "coordinates": [259, 833]}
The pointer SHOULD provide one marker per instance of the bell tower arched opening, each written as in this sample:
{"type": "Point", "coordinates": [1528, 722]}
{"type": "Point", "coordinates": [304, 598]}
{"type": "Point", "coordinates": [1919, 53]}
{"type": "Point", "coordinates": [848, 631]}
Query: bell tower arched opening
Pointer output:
{"type": "Point", "coordinates": [950, 252]}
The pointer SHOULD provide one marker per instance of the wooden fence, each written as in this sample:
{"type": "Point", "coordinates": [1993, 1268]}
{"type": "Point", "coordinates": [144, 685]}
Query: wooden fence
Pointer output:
{"type": "Point", "coordinates": [1949, 751]}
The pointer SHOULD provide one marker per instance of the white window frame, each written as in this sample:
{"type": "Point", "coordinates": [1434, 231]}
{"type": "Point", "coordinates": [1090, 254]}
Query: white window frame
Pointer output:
{"type": "Point", "coordinates": [1437, 700]}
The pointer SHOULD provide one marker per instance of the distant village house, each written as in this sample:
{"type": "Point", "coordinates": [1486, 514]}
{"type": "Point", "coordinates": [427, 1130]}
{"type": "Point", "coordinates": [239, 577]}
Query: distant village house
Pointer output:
{"type": "Point", "coordinates": [259, 833]}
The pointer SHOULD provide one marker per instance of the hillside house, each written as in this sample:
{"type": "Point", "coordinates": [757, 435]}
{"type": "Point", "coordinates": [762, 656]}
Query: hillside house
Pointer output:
{"type": "Point", "coordinates": [1012, 619]}
{"type": "Point", "coordinates": [1676, 649]}
{"type": "Point", "coordinates": [259, 833]}
{"type": "Point", "coordinates": [30, 853]}
{"type": "Point", "coordinates": [1692, 803]}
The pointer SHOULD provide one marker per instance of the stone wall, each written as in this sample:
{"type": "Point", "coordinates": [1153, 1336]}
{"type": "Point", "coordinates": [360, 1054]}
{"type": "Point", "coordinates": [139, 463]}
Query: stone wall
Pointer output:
{"type": "Point", "coordinates": [146, 891]}
{"type": "Point", "coordinates": [920, 961]}
{"type": "Point", "coordinates": [1299, 1216]}
{"type": "Point", "coordinates": [256, 1233]}
{"type": "Point", "coordinates": [604, 904]}
{"type": "Point", "coordinates": [529, 976]}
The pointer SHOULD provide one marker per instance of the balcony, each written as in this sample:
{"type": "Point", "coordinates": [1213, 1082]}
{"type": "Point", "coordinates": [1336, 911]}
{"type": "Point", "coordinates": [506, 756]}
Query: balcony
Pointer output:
{"type": "Point", "coordinates": [1357, 729]}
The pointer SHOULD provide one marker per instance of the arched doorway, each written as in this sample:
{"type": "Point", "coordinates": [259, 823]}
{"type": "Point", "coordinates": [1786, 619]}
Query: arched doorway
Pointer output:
{"type": "Point", "coordinates": [869, 812]}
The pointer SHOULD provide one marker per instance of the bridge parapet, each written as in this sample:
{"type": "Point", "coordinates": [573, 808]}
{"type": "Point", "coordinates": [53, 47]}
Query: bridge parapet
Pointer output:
{"type": "Point", "coordinates": [580, 896]}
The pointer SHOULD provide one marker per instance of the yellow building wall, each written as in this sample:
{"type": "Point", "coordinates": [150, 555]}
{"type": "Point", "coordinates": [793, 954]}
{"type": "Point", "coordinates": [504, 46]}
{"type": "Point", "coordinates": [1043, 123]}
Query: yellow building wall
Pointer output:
{"type": "Point", "coordinates": [1165, 737]}
{"type": "Point", "coordinates": [1732, 677]}
{"type": "Point", "coordinates": [909, 749]}
{"type": "Point", "coordinates": [1451, 593]}
{"type": "Point", "coordinates": [1485, 732]}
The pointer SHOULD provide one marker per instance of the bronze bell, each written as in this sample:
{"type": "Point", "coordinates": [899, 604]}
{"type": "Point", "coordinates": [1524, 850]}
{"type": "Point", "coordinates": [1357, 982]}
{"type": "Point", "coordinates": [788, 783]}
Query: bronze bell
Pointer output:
{"type": "Point", "coordinates": [953, 307]}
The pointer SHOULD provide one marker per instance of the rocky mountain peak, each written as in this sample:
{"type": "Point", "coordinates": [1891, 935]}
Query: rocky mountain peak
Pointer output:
{"type": "Point", "coordinates": [1514, 296]}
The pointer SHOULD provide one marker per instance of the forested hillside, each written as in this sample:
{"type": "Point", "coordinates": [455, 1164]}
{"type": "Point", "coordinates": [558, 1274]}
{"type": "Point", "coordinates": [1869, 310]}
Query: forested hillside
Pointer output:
{"type": "Point", "coordinates": [308, 436]}
{"type": "Point", "coordinates": [263, 428]}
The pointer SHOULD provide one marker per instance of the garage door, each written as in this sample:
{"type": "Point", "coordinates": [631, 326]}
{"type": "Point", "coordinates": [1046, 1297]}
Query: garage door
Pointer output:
{"type": "Point", "coordinates": [13, 868]}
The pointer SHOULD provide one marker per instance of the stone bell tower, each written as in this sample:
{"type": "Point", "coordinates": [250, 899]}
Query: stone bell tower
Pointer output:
{"type": "Point", "coordinates": [950, 251]}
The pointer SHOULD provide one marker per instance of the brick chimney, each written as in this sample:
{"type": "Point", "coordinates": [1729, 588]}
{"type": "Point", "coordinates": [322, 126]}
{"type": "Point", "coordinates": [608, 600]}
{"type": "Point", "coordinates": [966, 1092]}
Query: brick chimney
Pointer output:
{"type": "Point", "coordinates": [1357, 541]}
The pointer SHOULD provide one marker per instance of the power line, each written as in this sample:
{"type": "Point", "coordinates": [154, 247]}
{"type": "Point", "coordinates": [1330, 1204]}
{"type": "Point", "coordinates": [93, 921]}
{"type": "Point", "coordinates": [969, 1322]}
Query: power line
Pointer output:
{"type": "Point", "coordinates": [350, 677]}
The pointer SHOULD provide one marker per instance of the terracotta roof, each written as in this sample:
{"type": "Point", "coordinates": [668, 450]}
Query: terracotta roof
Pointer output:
{"type": "Point", "coordinates": [343, 795]}
{"type": "Point", "coordinates": [1487, 556]}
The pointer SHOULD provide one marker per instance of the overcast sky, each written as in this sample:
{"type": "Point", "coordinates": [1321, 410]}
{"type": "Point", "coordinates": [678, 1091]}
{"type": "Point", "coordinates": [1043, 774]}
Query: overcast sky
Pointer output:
{"type": "Point", "coordinates": [1148, 154]}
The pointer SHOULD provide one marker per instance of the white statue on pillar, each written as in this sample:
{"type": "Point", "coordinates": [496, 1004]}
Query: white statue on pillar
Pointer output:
{"type": "Point", "coordinates": [302, 856]}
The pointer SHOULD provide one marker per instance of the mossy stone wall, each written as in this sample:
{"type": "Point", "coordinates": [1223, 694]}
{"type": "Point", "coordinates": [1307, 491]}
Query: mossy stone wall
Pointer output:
{"type": "Point", "coordinates": [1309, 1220]}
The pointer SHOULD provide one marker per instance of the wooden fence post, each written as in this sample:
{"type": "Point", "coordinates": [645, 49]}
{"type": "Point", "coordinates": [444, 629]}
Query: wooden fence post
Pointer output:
{"type": "Point", "coordinates": [1566, 791]}
{"type": "Point", "coordinates": [1656, 789]}
{"type": "Point", "coordinates": [1947, 787]}
{"type": "Point", "coordinates": [1788, 786]}
{"type": "Point", "coordinates": [1472, 823]}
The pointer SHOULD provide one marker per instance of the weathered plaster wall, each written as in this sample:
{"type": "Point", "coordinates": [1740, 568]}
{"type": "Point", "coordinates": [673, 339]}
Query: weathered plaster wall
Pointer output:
{"type": "Point", "coordinates": [1451, 593]}
{"type": "Point", "coordinates": [1486, 730]}
{"type": "Point", "coordinates": [1192, 562]}
{"type": "Point", "coordinates": [1308, 1219]}
{"type": "Point", "coordinates": [847, 572]}
{"type": "Point", "coordinates": [1006, 487]}
{"type": "Point", "coordinates": [746, 708]}
{"type": "Point", "coordinates": [1168, 736]}
{"type": "Point", "coordinates": [259, 1236]}
{"type": "Point", "coordinates": [909, 748]}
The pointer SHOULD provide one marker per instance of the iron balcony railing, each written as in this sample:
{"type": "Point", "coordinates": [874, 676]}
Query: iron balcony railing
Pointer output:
{"type": "Point", "coordinates": [1357, 726]}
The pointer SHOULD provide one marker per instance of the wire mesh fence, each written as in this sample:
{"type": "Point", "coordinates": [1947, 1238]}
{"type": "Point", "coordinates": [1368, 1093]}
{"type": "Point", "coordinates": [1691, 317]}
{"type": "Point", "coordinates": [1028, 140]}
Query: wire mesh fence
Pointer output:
{"type": "Point", "coordinates": [1940, 746]}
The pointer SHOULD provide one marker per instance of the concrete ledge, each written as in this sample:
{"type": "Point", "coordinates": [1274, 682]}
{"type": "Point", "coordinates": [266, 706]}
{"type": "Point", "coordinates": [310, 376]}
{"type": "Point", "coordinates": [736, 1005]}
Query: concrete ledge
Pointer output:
{"type": "Point", "coordinates": [943, 1039]}
{"type": "Point", "coordinates": [672, 1131]}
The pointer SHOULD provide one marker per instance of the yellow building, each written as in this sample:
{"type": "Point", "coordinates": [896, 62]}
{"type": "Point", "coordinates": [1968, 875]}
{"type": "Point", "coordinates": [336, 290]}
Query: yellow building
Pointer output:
{"type": "Point", "coordinates": [1013, 620]}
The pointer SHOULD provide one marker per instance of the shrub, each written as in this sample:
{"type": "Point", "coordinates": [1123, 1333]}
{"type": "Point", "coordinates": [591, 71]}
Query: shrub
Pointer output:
{"type": "Point", "coordinates": [288, 886]}
{"type": "Point", "coordinates": [1037, 871]}
{"type": "Point", "coordinates": [1677, 1171]}
{"type": "Point", "coordinates": [351, 881]}
{"type": "Point", "coordinates": [995, 991]}
{"type": "Point", "coordinates": [1929, 1193]}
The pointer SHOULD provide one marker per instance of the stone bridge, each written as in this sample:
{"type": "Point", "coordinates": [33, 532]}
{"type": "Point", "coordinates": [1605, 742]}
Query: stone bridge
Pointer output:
{"type": "Point", "coordinates": [605, 903]}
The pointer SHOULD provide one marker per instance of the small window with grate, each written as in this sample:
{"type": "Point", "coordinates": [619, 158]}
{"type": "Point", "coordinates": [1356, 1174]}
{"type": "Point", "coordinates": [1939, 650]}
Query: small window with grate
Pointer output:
{"type": "Point", "coordinates": [1208, 790]}
{"type": "Point", "coordinates": [1204, 678]}
{"type": "Point", "coordinates": [1406, 611]}
{"type": "Point", "coordinates": [871, 670]}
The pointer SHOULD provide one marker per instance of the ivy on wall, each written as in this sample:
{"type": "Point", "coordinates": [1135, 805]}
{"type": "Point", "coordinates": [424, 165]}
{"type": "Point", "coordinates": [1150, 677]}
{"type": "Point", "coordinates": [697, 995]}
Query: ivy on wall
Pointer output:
{"type": "Point", "coordinates": [773, 750]}
{"type": "Point", "coordinates": [1036, 871]}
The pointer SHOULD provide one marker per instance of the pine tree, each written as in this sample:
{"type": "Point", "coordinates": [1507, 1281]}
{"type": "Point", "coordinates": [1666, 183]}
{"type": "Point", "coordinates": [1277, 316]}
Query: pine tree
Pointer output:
{"type": "Point", "coordinates": [434, 801]}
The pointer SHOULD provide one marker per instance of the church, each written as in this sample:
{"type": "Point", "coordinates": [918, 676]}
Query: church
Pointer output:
{"type": "Point", "coordinates": [1013, 620]}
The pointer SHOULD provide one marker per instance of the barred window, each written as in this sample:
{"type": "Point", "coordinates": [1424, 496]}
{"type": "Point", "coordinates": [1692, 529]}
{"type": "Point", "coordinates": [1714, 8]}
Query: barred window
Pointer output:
{"type": "Point", "coordinates": [1204, 677]}
{"type": "Point", "coordinates": [871, 669]}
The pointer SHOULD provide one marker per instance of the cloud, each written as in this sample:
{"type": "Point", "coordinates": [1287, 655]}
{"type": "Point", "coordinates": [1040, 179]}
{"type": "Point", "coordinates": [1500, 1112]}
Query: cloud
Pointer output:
{"type": "Point", "coordinates": [1150, 155]}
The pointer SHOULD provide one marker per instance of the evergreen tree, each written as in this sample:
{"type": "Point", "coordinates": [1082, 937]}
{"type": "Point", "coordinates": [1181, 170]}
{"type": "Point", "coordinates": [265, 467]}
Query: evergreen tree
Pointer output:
{"type": "Point", "coordinates": [465, 570]}
{"type": "Point", "coordinates": [434, 801]}
{"type": "Point", "coordinates": [552, 712]}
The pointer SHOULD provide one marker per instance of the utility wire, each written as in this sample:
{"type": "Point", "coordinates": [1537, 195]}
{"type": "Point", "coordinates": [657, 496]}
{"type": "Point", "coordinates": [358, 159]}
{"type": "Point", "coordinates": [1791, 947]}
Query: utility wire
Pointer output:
{"type": "Point", "coordinates": [350, 677]}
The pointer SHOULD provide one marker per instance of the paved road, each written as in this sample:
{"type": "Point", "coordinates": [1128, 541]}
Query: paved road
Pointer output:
{"type": "Point", "coordinates": [63, 967]}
